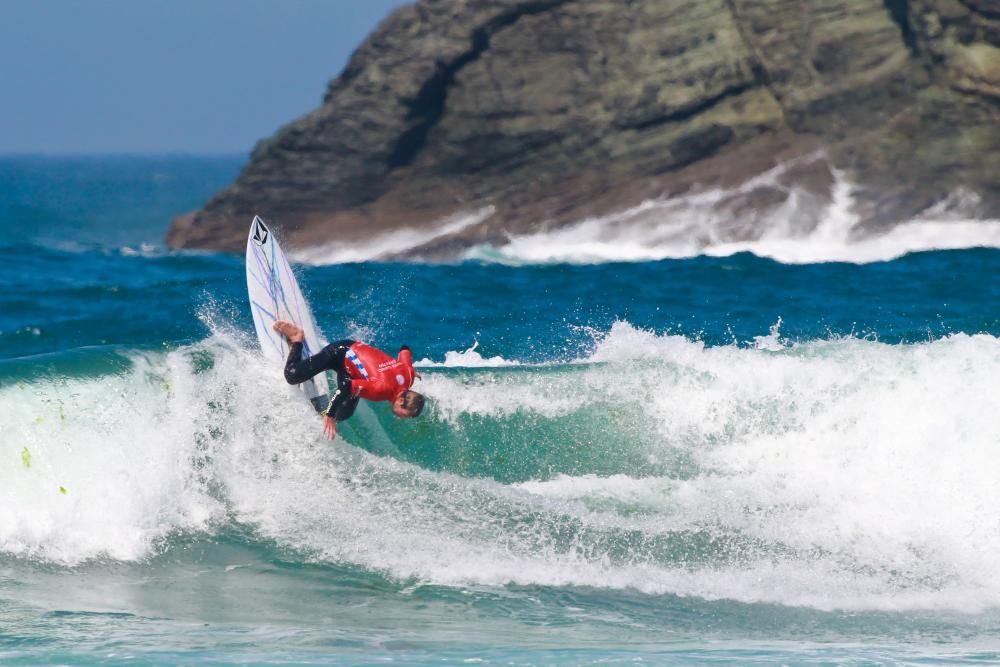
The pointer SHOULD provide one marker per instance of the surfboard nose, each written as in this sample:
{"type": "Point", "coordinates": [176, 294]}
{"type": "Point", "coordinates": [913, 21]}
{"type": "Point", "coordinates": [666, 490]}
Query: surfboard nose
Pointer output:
{"type": "Point", "coordinates": [260, 231]}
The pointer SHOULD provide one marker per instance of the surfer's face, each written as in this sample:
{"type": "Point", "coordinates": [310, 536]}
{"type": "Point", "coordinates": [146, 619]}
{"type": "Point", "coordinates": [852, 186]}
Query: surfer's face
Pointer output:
{"type": "Point", "coordinates": [408, 404]}
{"type": "Point", "coordinates": [399, 408]}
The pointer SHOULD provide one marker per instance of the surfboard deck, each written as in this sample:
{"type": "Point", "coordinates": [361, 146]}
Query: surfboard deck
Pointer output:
{"type": "Point", "coordinates": [275, 295]}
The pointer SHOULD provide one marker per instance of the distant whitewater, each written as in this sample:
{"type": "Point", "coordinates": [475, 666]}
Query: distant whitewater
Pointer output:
{"type": "Point", "coordinates": [803, 229]}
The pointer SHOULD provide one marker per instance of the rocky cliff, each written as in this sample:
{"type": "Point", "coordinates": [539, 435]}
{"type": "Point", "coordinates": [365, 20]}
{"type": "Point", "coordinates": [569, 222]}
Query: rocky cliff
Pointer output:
{"type": "Point", "coordinates": [554, 110]}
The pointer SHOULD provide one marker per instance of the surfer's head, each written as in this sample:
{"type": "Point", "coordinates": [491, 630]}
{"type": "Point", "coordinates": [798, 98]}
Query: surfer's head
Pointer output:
{"type": "Point", "coordinates": [408, 404]}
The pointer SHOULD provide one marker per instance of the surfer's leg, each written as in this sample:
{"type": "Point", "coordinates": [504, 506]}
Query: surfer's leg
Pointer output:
{"type": "Point", "coordinates": [331, 357]}
{"type": "Point", "coordinates": [299, 370]}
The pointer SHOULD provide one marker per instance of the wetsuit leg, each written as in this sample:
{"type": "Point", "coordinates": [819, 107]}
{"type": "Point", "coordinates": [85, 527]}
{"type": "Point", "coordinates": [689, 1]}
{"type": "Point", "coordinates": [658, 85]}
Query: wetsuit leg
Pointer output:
{"type": "Point", "coordinates": [330, 358]}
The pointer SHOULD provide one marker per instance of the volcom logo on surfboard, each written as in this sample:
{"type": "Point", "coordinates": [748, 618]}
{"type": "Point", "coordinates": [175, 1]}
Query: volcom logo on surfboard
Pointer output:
{"type": "Point", "coordinates": [259, 232]}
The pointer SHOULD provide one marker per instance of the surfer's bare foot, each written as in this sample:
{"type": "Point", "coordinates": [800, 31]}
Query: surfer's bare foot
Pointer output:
{"type": "Point", "coordinates": [293, 333]}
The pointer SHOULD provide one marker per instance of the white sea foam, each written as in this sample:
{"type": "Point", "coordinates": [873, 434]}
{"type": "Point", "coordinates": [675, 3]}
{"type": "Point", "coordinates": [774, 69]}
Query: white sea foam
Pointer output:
{"type": "Point", "coordinates": [98, 467]}
{"type": "Point", "coordinates": [387, 244]}
{"type": "Point", "coordinates": [802, 230]}
{"type": "Point", "coordinates": [468, 358]}
{"type": "Point", "coordinates": [833, 474]}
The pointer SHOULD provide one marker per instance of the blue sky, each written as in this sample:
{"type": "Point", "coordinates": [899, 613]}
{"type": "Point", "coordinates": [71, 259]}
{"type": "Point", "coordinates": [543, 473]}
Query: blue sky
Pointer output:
{"type": "Point", "coordinates": [168, 76]}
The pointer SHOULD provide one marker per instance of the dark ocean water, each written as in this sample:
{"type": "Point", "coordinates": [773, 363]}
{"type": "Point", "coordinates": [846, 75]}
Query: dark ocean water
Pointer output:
{"type": "Point", "coordinates": [710, 460]}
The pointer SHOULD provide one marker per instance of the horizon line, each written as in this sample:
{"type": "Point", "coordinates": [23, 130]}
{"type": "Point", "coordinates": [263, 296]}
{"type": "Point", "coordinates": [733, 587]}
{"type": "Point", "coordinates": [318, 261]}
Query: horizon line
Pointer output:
{"type": "Point", "coordinates": [125, 154]}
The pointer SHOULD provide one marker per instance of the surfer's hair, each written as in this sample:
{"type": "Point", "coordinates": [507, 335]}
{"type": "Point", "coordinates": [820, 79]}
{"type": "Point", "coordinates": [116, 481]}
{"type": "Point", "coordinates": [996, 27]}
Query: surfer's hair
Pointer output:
{"type": "Point", "coordinates": [413, 402]}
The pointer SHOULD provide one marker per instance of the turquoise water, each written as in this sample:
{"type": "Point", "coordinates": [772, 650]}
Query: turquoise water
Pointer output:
{"type": "Point", "coordinates": [711, 460]}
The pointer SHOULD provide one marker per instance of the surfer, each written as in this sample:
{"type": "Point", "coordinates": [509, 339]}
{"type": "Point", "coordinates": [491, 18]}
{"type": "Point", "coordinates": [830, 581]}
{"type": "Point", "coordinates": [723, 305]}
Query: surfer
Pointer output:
{"type": "Point", "coordinates": [362, 372]}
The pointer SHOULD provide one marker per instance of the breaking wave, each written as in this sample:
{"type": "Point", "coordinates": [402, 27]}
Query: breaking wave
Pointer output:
{"type": "Point", "coordinates": [841, 473]}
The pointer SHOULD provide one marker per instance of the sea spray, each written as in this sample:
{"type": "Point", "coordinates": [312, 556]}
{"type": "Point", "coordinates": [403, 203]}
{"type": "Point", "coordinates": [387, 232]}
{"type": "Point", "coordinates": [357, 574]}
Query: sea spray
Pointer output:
{"type": "Point", "coordinates": [121, 450]}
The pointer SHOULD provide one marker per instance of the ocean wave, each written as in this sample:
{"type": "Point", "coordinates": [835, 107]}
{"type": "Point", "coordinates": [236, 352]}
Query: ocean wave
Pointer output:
{"type": "Point", "coordinates": [840, 473]}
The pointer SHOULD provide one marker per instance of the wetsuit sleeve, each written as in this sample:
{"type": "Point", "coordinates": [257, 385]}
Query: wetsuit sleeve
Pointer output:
{"type": "Point", "coordinates": [347, 390]}
{"type": "Point", "coordinates": [298, 370]}
{"type": "Point", "coordinates": [405, 355]}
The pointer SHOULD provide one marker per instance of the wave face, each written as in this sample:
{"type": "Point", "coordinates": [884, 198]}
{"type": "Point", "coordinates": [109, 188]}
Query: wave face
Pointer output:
{"type": "Point", "coordinates": [840, 473]}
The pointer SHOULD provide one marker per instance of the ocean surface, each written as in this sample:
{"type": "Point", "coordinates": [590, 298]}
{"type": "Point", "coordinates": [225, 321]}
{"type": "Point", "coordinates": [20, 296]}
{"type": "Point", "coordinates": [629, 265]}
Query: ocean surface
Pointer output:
{"type": "Point", "coordinates": [777, 452]}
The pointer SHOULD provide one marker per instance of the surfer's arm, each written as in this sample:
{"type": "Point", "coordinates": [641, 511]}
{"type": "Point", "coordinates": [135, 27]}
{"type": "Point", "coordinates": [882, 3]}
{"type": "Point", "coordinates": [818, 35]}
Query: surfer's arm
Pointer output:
{"type": "Point", "coordinates": [406, 356]}
{"type": "Point", "coordinates": [330, 427]}
{"type": "Point", "coordinates": [347, 390]}
{"type": "Point", "coordinates": [341, 396]}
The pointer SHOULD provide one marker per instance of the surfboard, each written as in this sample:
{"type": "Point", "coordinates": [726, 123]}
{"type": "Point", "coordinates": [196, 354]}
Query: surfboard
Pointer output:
{"type": "Point", "coordinates": [275, 295]}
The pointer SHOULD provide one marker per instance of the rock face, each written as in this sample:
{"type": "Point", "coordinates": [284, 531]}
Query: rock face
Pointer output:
{"type": "Point", "coordinates": [554, 110]}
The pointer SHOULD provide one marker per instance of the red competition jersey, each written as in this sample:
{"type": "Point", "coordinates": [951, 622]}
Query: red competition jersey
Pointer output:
{"type": "Point", "coordinates": [377, 376]}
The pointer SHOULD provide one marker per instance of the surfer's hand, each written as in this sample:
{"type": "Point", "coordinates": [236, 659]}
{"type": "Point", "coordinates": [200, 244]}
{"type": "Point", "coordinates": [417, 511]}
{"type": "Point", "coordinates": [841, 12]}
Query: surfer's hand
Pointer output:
{"type": "Point", "coordinates": [330, 427]}
{"type": "Point", "coordinates": [293, 333]}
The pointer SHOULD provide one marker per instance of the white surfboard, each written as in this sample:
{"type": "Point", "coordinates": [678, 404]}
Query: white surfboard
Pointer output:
{"type": "Point", "coordinates": [275, 295]}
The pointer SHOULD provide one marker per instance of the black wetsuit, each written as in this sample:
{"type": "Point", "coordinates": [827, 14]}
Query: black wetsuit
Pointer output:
{"type": "Point", "coordinates": [330, 358]}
